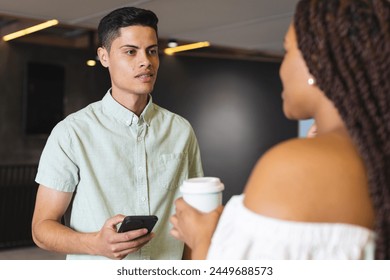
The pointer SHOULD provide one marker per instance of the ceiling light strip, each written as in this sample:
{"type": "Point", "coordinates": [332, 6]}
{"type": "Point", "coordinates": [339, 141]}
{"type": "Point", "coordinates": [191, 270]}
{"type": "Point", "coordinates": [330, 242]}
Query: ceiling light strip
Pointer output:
{"type": "Point", "coordinates": [31, 29]}
{"type": "Point", "coordinates": [187, 47]}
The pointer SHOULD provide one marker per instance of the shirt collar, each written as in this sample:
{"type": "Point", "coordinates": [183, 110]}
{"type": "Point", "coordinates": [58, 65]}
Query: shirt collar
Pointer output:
{"type": "Point", "coordinates": [123, 114]}
{"type": "Point", "coordinates": [147, 113]}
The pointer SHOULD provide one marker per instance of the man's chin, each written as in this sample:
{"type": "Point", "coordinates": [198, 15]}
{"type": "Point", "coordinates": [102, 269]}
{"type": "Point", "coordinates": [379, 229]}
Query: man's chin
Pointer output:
{"type": "Point", "coordinates": [144, 90]}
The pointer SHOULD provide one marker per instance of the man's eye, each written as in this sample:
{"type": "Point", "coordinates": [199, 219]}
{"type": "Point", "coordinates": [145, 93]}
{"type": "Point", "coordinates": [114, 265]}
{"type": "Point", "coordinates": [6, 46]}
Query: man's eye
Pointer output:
{"type": "Point", "coordinates": [153, 52]}
{"type": "Point", "coordinates": [131, 52]}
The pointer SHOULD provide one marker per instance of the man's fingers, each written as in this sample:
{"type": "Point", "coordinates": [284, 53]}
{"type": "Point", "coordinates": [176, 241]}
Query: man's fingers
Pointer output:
{"type": "Point", "coordinates": [122, 249]}
{"type": "Point", "coordinates": [132, 235]}
{"type": "Point", "coordinates": [113, 221]}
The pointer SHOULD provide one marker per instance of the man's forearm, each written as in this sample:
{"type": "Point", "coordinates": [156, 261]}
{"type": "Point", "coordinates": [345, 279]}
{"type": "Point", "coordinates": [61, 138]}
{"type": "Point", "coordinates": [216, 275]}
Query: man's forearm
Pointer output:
{"type": "Point", "coordinates": [53, 236]}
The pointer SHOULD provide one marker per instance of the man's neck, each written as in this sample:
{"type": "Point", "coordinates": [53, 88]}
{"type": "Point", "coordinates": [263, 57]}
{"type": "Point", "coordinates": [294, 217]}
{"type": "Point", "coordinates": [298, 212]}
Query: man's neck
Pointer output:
{"type": "Point", "coordinates": [133, 102]}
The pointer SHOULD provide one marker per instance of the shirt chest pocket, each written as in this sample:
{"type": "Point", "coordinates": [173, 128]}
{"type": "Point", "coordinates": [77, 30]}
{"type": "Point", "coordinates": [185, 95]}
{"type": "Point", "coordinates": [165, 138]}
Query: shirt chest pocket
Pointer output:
{"type": "Point", "coordinates": [173, 169]}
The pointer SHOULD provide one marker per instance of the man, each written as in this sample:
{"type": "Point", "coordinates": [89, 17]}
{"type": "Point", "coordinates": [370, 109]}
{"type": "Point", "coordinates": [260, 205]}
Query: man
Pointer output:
{"type": "Point", "coordinates": [120, 156]}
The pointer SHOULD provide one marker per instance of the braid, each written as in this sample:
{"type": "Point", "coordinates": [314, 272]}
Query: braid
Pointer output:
{"type": "Point", "coordinates": [346, 46]}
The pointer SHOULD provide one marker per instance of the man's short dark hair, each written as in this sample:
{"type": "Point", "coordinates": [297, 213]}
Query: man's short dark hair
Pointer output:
{"type": "Point", "coordinates": [109, 26]}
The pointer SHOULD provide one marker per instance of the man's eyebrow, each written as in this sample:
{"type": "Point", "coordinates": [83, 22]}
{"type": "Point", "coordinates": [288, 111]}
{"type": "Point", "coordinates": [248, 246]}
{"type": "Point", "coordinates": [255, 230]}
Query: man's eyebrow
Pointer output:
{"type": "Point", "coordinates": [136, 47]}
{"type": "Point", "coordinates": [129, 46]}
{"type": "Point", "coordinates": [152, 46]}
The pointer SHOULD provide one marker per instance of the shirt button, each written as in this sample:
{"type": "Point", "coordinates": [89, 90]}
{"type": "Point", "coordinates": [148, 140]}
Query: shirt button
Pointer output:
{"type": "Point", "coordinates": [128, 122]}
{"type": "Point", "coordinates": [143, 198]}
{"type": "Point", "coordinates": [139, 139]}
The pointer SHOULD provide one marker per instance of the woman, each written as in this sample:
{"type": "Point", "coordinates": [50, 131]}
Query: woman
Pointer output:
{"type": "Point", "coordinates": [326, 197]}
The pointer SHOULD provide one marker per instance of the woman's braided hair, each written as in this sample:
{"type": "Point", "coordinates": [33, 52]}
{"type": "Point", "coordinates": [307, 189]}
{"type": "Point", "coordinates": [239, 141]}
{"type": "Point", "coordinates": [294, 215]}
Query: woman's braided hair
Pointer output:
{"type": "Point", "coordinates": [346, 46]}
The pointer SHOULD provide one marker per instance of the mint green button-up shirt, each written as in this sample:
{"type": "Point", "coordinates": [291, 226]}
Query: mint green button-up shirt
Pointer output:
{"type": "Point", "coordinates": [118, 163]}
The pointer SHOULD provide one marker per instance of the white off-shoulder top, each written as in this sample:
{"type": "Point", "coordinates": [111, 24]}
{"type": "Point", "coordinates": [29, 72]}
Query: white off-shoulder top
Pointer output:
{"type": "Point", "coordinates": [243, 234]}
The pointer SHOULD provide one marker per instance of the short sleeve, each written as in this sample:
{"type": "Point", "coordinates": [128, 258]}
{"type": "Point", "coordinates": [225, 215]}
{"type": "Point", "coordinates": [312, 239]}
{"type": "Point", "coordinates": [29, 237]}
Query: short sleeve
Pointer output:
{"type": "Point", "coordinates": [57, 166]}
{"type": "Point", "coordinates": [195, 162]}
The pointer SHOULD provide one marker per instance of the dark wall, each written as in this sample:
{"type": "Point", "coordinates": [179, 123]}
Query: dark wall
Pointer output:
{"type": "Point", "coordinates": [82, 85]}
{"type": "Point", "coordinates": [233, 105]}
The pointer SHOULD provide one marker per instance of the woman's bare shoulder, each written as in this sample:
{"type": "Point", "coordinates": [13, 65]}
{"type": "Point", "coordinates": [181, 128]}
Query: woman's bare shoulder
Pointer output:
{"type": "Point", "coordinates": [317, 180]}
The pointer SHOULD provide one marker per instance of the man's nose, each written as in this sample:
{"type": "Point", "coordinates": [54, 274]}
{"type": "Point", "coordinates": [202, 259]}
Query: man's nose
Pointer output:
{"type": "Point", "coordinates": [144, 60]}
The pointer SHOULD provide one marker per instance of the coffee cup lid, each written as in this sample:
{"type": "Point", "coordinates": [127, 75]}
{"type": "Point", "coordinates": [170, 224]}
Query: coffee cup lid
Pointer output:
{"type": "Point", "coordinates": [202, 185]}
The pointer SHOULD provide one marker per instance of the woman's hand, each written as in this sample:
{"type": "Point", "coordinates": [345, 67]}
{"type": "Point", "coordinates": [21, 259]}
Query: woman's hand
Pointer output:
{"type": "Point", "coordinates": [194, 227]}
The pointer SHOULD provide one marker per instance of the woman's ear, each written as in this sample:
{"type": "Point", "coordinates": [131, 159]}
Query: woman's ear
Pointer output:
{"type": "Point", "coordinates": [103, 56]}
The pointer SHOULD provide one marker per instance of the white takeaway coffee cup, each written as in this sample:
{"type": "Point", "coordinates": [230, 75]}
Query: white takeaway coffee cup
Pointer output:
{"type": "Point", "coordinates": [203, 193]}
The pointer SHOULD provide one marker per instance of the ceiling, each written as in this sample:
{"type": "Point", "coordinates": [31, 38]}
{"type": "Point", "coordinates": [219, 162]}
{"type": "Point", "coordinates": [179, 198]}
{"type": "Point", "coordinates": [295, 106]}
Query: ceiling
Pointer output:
{"type": "Point", "coordinates": [249, 25]}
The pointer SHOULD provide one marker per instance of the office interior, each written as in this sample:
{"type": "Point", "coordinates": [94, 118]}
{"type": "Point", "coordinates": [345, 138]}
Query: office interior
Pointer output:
{"type": "Point", "coordinates": [230, 92]}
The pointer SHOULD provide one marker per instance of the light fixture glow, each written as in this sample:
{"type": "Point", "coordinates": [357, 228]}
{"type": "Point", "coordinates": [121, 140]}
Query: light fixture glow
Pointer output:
{"type": "Point", "coordinates": [31, 29]}
{"type": "Point", "coordinates": [170, 51]}
{"type": "Point", "coordinates": [172, 43]}
{"type": "Point", "coordinates": [91, 62]}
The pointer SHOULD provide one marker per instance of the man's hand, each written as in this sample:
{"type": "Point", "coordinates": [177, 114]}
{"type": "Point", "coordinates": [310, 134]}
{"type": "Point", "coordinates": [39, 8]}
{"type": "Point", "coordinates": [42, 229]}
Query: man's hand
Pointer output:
{"type": "Point", "coordinates": [109, 243]}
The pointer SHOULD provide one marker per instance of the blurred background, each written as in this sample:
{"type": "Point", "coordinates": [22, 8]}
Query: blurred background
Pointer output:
{"type": "Point", "coordinates": [230, 91]}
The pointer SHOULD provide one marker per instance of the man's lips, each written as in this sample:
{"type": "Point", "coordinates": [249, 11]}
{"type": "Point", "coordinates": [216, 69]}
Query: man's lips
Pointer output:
{"type": "Point", "coordinates": [144, 75]}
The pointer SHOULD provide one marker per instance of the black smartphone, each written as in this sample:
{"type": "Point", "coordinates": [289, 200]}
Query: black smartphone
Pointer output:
{"type": "Point", "coordinates": [137, 222]}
